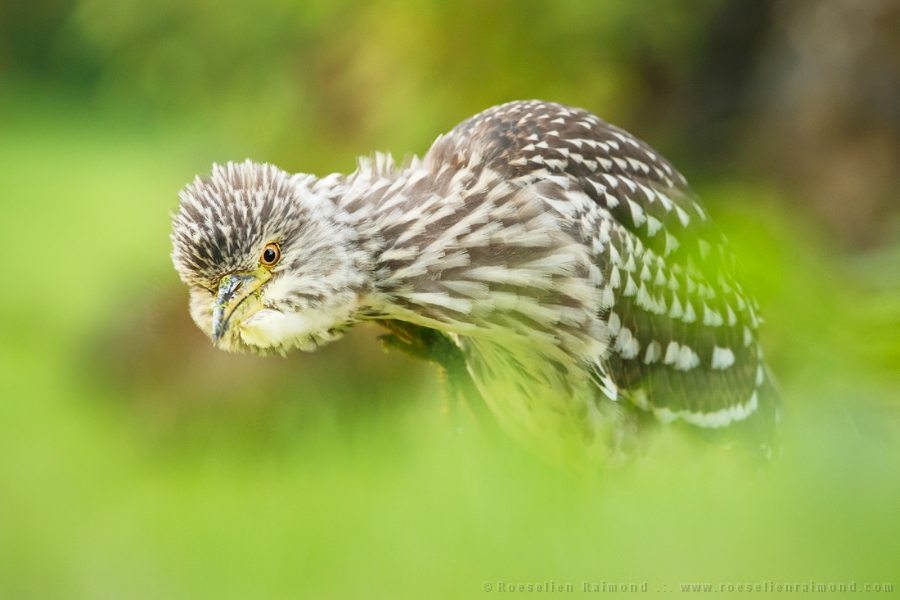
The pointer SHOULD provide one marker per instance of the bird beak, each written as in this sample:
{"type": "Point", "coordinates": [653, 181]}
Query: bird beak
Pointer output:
{"type": "Point", "coordinates": [233, 291]}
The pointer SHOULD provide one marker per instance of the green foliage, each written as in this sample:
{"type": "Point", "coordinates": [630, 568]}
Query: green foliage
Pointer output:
{"type": "Point", "coordinates": [307, 79]}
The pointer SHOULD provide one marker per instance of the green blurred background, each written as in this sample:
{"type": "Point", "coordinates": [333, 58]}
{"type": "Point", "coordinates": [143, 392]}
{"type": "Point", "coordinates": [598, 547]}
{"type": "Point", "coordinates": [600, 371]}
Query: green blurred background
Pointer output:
{"type": "Point", "coordinates": [137, 462]}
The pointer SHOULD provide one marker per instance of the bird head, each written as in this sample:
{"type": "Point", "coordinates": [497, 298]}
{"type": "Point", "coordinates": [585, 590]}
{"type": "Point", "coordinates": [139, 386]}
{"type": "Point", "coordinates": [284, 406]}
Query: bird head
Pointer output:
{"type": "Point", "coordinates": [270, 260]}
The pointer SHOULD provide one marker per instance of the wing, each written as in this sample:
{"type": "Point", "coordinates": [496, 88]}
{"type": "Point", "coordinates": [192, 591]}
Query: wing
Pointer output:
{"type": "Point", "coordinates": [685, 331]}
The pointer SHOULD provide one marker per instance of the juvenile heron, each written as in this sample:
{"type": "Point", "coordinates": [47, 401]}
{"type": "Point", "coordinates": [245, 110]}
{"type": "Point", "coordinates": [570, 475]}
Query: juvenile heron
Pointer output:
{"type": "Point", "coordinates": [578, 275]}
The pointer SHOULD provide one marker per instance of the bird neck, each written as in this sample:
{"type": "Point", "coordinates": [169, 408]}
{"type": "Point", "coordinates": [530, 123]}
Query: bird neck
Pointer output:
{"type": "Point", "coordinates": [394, 213]}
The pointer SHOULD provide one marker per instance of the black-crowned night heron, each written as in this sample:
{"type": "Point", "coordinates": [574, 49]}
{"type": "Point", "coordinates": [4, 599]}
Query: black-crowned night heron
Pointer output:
{"type": "Point", "coordinates": [578, 274]}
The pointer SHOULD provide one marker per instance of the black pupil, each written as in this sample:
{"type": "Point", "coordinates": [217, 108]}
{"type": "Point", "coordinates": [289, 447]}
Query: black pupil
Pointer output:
{"type": "Point", "coordinates": [269, 255]}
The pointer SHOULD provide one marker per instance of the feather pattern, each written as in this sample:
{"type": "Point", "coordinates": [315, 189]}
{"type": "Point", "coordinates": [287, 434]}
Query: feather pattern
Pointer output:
{"type": "Point", "coordinates": [572, 263]}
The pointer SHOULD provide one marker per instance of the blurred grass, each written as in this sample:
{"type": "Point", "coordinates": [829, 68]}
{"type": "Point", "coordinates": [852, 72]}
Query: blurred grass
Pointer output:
{"type": "Point", "coordinates": [125, 476]}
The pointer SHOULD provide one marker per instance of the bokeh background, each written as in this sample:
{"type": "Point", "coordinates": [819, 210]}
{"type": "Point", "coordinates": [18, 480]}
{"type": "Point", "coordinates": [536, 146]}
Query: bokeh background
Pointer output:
{"type": "Point", "coordinates": [137, 462]}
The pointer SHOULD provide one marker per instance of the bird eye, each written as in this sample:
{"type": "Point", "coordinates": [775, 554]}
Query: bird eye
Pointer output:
{"type": "Point", "coordinates": [271, 255]}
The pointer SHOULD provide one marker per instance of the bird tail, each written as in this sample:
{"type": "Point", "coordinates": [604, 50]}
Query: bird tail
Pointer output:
{"type": "Point", "coordinates": [759, 432]}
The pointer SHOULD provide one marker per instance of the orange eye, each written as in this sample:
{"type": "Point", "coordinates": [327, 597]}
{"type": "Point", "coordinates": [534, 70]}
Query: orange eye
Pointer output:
{"type": "Point", "coordinates": [271, 255]}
